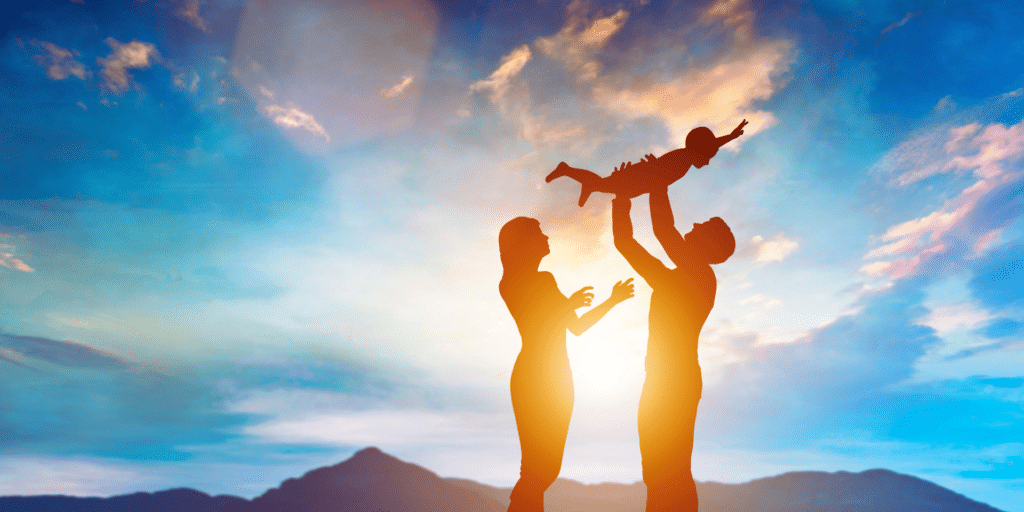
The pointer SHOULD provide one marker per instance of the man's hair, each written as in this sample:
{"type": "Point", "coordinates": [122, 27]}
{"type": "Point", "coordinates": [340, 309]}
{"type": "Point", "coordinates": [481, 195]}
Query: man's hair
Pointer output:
{"type": "Point", "coordinates": [701, 139]}
{"type": "Point", "coordinates": [723, 243]}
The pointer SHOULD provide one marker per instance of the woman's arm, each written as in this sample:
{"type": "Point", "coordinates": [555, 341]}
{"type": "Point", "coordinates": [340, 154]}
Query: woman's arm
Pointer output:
{"type": "Point", "coordinates": [620, 292]}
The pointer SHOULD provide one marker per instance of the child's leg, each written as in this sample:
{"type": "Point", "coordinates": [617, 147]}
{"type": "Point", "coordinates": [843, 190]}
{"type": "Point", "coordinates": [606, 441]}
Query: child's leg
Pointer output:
{"type": "Point", "coordinates": [580, 175]}
{"type": "Point", "coordinates": [588, 179]}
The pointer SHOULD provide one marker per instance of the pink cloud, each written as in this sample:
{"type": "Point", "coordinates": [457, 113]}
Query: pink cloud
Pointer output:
{"type": "Point", "coordinates": [60, 62]}
{"type": "Point", "coordinates": [988, 153]}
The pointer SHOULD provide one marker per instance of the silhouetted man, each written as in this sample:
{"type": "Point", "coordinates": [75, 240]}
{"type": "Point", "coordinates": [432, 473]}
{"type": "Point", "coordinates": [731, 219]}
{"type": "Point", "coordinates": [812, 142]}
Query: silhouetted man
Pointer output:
{"type": "Point", "coordinates": [681, 300]}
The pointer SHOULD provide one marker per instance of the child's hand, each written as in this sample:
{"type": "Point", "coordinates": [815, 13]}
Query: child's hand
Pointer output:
{"type": "Point", "coordinates": [739, 129]}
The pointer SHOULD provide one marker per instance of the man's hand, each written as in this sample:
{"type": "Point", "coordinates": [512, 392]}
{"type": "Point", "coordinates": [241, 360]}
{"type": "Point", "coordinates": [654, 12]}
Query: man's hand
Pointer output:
{"type": "Point", "coordinates": [622, 290]}
{"type": "Point", "coordinates": [581, 298]}
{"type": "Point", "coordinates": [621, 203]}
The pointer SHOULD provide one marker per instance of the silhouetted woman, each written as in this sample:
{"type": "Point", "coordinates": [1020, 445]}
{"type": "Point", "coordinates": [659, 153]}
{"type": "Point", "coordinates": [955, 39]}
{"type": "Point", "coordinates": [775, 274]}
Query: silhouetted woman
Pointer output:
{"type": "Point", "coordinates": [542, 391]}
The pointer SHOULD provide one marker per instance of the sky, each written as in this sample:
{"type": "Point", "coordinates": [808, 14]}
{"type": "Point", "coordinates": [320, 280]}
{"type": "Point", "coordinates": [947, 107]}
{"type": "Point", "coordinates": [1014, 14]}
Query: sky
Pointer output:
{"type": "Point", "coordinates": [242, 240]}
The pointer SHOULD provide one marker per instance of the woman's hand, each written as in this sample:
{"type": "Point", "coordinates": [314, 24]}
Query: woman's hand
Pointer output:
{"type": "Point", "coordinates": [581, 298]}
{"type": "Point", "coordinates": [622, 290]}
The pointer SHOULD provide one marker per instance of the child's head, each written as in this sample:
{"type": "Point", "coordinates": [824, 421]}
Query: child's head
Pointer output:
{"type": "Point", "coordinates": [702, 141]}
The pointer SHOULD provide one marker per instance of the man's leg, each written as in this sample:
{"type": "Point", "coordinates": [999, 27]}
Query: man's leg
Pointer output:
{"type": "Point", "coordinates": [666, 420]}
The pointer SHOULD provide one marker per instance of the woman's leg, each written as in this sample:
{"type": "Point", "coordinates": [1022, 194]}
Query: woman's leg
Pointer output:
{"type": "Point", "coordinates": [542, 419]}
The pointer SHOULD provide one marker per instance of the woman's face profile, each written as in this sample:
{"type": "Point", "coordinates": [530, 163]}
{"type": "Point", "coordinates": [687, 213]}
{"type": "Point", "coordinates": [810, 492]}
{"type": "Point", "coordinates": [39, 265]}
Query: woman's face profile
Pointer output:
{"type": "Point", "coordinates": [539, 241]}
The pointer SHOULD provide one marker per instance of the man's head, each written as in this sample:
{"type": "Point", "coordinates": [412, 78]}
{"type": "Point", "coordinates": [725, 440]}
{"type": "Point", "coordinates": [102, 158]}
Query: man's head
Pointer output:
{"type": "Point", "coordinates": [712, 241]}
{"type": "Point", "coordinates": [702, 141]}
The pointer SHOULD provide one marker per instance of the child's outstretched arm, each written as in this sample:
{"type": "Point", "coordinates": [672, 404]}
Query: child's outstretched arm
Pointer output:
{"type": "Point", "coordinates": [721, 141]}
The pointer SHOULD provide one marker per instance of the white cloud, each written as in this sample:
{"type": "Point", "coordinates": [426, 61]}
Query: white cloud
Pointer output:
{"type": "Point", "coordinates": [762, 301]}
{"type": "Point", "coordinates": [576, 45]}
{"type": "Point", "coordinates": [189, 11]}
{"type": "Point", "coordinates": [27, 476]}
{"type": "Point", "coordinates": [498, 81]}
{"type": "Point", "coordinates": [60, 62]}
{"type": "Point", "coordinates": [293, 117]}
{"type": "Point", "coordinates": [381, 427]}
{"type": "Point", "coordinates": [608, 94]}
{"type": "Point", "coordinates": [398, 88]}
{"type": "Point", "coordinates": [133, 55]}
{"type": "Point", "coordinates": [717, 97]}
{"type": "Point", "coordinates": [336, 67]}
{"type": "Point", "coordinates": [776, 249]}
{"type": "Point", "coordinates": [954, 316]}
{"type": "Point", "coordinates": [8, 260]}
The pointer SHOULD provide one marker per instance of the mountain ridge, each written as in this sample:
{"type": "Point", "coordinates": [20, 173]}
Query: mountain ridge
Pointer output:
{"type": "Point", "coordinates": [372, 480]}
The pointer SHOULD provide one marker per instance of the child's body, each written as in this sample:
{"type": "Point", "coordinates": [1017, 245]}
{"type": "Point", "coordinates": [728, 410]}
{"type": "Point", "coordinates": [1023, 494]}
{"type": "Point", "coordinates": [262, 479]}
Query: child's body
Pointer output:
{"type": "Point", "coordinates": [631, 180]}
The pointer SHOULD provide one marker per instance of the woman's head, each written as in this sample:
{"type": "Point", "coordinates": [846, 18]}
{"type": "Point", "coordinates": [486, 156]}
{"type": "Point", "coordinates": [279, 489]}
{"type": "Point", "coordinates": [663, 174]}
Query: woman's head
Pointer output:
{"type": "Point", "coordinates": [713, 240]}
{"type": "Point", "coordinates": [521, 242]}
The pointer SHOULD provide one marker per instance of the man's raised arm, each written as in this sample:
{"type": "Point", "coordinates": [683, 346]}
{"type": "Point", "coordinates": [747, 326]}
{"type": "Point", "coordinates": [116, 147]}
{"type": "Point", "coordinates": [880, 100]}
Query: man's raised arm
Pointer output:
{"type": "Point", "coordinates": [622, 231]}
{"type": "Point", "coordinates": [664, 225]}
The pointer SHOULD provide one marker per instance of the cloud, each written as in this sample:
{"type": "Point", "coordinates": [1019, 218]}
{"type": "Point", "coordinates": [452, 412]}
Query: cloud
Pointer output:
{"type": "Point", "coordinates": [192, 85]}
{"type": "Point", "coordinates": [361, 428]}
{"type": "Point", "coordinates": [966, 225]}
{"type": "Point", "coordinates": [900, 23]}
{"type": "Point", "coordinates": [398, 88]}
{"type": "Point", "coordinates": [716, 96]}
{"type": "Point", "coordinates": [607, 90]}
{"type": "Point", "coordinates": [498, 81]}
{"type": "Point", "coordinates": [63, 353]}
{"type": "Point", "coordinates": [762, 301]}
{"type": "Point", "coordinates": [954, 316]}
{"type": "Point", "coordinates": [776, 249]}
{"type": "Point", "coordinates": [39, 475]}
{"type": "Point", "coordinates": [189, 11]}
{"type": "Point", "coordinates": [292, 117]}
{"type": "Point", "coordinates": [836, 367]}
{"type": "Point", "coordinates": [126, 56]}
{"type": "Point", "coordinates": [335, 59]}
{"type": "Point", "coordinates": [8, 260]}
{"type": "Point", "coordinates": [12, 357]}
{"type": "Point", "coordinates": [60, 62]}
{"type": "Point", "coordinates": [578, 42]}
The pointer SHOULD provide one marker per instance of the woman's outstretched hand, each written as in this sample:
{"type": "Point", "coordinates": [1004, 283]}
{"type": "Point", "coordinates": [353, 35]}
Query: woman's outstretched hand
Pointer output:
{"type": "Point", "coordinates": [581, 298]}
{"type": "Point", "coordinates": [622, 290]}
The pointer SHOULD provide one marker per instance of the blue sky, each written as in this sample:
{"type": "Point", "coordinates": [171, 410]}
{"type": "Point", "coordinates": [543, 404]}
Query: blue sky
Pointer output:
{"type": "Point", "coordinates": [242, 240]}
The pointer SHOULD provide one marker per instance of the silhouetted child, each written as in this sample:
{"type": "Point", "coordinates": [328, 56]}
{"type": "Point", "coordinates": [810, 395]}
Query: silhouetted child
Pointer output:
{"type": "Point", "coordinates": [631, 180]}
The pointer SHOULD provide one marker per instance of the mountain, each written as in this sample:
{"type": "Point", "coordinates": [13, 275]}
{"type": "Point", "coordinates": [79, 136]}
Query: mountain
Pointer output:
{"type": "Point", "coordinates": [373, 481]}
{"type": "Point", "coordinates": [172, 500]}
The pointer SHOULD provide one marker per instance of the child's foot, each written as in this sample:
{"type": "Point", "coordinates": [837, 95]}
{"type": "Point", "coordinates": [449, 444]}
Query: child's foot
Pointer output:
{"type": "Point", "coordinates": [558, 172]}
